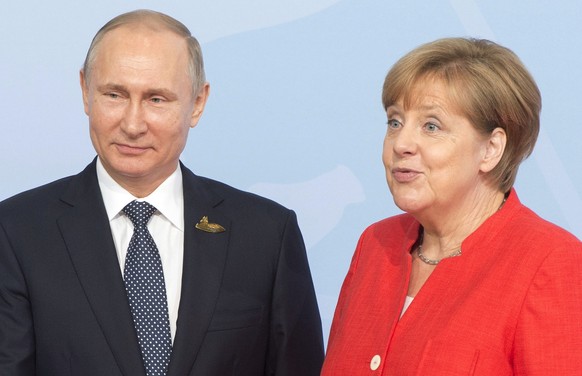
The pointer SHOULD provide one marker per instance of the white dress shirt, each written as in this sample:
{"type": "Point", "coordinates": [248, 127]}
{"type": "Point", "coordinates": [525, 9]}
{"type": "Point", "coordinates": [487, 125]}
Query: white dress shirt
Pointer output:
{"type": "Point", "coordinates": [407, 302]}
{"type": "Point", "coordinates": [166, 227]}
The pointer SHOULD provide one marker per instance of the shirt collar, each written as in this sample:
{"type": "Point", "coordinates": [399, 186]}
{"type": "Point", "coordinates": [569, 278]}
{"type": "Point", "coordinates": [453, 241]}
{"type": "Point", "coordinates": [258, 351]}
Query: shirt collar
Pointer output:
{"type": "Point", "coordinates": [168, 198]}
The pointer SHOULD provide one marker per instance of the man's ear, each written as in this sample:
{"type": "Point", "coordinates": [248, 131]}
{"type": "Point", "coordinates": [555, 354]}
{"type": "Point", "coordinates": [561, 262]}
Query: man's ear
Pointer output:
{"type": "Point", "coordinates": [84, 90]}
{"type": "Point", "coordinates": [494, 149]}
{"type": "Point", "coordinates": [199, 104]}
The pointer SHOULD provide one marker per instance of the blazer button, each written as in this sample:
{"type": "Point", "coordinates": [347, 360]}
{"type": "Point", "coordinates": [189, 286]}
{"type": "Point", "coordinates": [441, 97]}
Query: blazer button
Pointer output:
{"type": "Point", "coordinates": [375, 362]}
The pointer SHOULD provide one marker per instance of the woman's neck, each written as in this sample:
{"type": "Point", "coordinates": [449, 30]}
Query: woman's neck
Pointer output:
{"type": "Point", "coordinates": [444, 232]}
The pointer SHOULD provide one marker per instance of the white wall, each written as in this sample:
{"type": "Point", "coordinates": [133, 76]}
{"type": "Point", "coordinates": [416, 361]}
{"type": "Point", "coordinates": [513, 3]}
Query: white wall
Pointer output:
{"type": "Point", "coordinates": [294, 112]}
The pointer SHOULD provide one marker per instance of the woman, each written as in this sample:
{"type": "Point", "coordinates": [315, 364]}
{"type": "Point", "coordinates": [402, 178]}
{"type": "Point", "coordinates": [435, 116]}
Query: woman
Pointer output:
{"type": "Point", "coordinates": [468, 281]}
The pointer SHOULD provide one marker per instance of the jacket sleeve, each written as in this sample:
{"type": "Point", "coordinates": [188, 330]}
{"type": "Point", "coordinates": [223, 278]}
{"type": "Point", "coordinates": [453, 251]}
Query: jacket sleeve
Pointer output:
{"type": "Point", "coordinates": [333, 363]}
{"type": "Point", "coordinates": [344, 296]}
{"type": "Point", "coordinates": [296, 340]}
{"type": "Point", "coordinates": [548, 338]}
{"type": "Point", "coordinates": [17, 356]}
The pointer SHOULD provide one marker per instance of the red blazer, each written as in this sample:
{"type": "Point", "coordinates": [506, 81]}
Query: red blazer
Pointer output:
{"type": "Point", "coordinates": [511, 304]}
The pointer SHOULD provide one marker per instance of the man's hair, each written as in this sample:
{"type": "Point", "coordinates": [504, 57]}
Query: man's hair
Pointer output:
{"type": "Point", "coordinates": [155, 21]}
{"type": "Point", "coordinates": [487, 83]}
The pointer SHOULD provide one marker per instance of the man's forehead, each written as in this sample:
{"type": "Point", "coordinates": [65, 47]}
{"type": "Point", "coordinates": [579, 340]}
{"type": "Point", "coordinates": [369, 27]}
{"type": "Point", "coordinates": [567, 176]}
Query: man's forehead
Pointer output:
{"type": "Point", "coordinates": [141, 29]}
{"type": "Point", "coordinates": [128, 39]}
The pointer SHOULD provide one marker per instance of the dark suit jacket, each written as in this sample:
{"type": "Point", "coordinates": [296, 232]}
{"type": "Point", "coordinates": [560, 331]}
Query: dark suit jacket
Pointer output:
{"type": "Point", "coordinates": [247, 304]}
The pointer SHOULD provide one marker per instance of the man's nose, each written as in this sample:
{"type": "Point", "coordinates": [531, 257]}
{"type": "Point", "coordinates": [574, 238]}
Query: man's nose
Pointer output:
{"type": "Point", "coordinates": [133, 122]}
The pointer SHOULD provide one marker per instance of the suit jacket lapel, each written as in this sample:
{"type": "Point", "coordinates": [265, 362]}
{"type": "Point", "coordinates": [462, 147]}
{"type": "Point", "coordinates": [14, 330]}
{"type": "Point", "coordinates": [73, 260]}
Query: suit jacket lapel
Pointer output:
{"type": "Point", "coordinates": [87, 235]}
{"type": "Point", "coordinates": [204, 261]}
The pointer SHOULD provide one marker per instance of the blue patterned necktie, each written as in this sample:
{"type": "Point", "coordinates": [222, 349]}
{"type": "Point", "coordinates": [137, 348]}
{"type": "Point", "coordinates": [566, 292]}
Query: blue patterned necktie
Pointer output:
{"type": "Point", "coordinates": [144, 282]}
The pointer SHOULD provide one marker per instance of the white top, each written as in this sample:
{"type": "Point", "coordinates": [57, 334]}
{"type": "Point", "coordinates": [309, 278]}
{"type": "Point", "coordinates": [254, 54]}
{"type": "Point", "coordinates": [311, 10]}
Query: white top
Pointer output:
{"type": "Point", "coordinates": [166, 227]}
{"type": "Point", "coordinates": [407, 302]}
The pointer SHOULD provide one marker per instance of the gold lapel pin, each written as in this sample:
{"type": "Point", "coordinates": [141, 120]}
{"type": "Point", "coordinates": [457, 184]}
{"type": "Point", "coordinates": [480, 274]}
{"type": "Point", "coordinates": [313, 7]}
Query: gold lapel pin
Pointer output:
{"type": "Point", "coordinates": [204, 225]}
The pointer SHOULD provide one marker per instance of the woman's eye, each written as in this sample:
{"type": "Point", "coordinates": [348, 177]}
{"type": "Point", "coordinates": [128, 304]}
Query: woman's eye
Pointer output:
{"type": "Point", "coordinates": [431, 127]}
{"type": "Point", "coordinates": [392, 123]}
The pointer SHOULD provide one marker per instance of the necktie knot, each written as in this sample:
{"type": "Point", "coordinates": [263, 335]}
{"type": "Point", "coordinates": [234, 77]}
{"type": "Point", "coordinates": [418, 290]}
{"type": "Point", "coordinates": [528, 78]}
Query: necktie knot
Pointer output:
{"type": "Point", "coordinates": [139, 212]}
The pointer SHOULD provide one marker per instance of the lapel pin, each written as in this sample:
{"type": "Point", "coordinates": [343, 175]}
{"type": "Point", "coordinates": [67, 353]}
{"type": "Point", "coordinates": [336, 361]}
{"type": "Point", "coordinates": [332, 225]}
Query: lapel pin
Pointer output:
{"type": "Point", "coordinates": [204, 225]}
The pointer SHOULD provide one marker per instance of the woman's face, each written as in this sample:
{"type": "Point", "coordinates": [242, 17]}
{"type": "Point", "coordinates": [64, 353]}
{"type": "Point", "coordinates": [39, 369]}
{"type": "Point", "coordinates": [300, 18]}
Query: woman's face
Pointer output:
{"type": "Point", "coordinates": [433, 155]}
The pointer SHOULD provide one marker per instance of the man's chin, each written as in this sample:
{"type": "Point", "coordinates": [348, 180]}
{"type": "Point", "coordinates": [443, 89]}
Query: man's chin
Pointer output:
{"type": "Point", "coordinates": [127, 170]}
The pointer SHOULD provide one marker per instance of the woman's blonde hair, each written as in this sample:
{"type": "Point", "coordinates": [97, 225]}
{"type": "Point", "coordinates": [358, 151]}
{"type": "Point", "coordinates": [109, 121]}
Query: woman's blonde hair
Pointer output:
{"type": "Point", "coordinates": [489, 85]}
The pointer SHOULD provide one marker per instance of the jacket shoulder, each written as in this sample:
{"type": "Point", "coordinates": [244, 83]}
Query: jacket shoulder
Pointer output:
{"type": "Point", "coordinates": [238, 200]}
{"type": "Point", "coordinates": [36, 199]}
{"type": "Point", "coordinates": [531, 226]}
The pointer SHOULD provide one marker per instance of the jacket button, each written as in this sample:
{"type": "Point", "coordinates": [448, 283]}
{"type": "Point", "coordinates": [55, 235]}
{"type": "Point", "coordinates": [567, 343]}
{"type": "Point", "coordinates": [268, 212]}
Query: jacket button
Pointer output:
{"type": "Point", "coordinates": [375, 362]}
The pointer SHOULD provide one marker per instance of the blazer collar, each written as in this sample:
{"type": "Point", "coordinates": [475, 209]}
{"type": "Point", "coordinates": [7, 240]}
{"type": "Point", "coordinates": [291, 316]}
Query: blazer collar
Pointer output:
{"type": "Point", "coordinates": [87, 234]}
{"type": "Point", "coordinates": [88, 238]}
{"type": "Point", "coordinates": [205, 257]}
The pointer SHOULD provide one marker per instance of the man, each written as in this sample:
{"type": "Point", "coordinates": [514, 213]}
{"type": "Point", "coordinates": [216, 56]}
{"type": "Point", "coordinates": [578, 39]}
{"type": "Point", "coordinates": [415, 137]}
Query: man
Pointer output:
{"type": "Point", "coordinates": [215, 282]}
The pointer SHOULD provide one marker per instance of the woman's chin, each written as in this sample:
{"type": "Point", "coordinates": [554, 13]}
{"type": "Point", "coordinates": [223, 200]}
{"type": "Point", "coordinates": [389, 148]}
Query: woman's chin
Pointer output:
{"type": "Point", "coordinates": [408, 205]}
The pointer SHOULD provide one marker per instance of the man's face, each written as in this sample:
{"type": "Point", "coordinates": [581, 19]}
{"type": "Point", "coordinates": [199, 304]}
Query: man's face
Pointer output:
{"type": "Point", "coordinates": [140, 105]}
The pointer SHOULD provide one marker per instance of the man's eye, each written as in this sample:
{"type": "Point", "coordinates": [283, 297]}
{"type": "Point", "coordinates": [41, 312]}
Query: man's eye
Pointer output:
{"type": "Point", "coordinates": [157, 100]}
{"type": "Point", "coordinates": [112, 95]}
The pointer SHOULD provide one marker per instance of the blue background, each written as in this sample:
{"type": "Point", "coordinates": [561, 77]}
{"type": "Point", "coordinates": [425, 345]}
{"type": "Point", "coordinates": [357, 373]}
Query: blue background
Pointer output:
{"type": "Point", "coordinates": [294, 112]}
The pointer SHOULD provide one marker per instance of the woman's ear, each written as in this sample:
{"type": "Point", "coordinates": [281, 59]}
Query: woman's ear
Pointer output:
{"type": "Point", "coordinates": [494, 149]}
